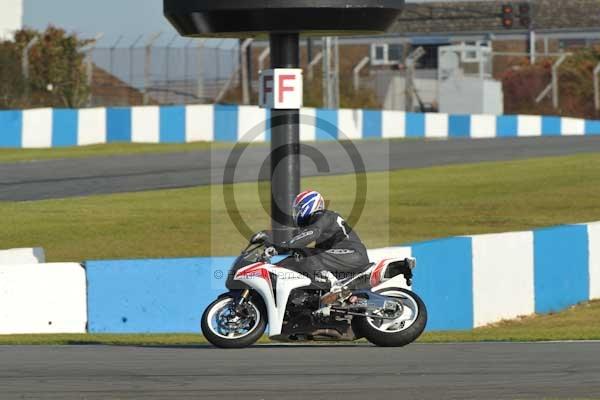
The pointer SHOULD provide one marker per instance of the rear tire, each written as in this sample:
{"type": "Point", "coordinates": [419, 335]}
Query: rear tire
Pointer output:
{"type": "Point", "coordinates": [366, 327]}
{"type": "Point", "coordinates": [233, 339]}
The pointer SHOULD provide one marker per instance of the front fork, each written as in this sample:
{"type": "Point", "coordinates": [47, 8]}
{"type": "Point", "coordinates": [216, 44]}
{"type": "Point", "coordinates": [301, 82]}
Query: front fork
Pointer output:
{"type": "Point", "coordinates": [244, 296]}
{"type": "Point", "coordinates": [241, 300]}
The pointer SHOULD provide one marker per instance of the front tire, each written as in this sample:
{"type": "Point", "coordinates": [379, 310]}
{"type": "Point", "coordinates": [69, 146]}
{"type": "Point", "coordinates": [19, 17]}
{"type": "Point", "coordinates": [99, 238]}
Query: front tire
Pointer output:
{"type": "Point", "coordinates": [396, 333]}
{"type": "Point", "coordinates": [227, 328]}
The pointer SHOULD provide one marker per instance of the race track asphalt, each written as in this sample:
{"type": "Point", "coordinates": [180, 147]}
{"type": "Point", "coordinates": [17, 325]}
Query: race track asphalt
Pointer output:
{"type": "Point", "coordinates": [441, 371]}
{"type": "Point", "coordinates": [40, 180]}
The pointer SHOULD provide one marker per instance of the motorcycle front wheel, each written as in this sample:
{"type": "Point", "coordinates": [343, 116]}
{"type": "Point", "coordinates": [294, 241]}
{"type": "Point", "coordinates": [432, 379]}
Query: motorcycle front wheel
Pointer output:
{"type": "Point", "coordinates": [228, 326]}
{"type": "Point", "coordinates": [397, 332]}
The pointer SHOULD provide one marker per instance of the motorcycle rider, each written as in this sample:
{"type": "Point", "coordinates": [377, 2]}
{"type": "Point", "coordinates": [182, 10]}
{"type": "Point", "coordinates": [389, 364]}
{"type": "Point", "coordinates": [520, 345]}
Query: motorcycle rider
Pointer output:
{"type": "Point", "coordinates": [338, 249]}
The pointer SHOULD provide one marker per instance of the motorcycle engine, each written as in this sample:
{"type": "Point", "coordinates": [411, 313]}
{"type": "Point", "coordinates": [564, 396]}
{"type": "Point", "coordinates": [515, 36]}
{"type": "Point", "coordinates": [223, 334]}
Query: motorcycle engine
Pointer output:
{"type": "Point", "coordinates": [303, 299]}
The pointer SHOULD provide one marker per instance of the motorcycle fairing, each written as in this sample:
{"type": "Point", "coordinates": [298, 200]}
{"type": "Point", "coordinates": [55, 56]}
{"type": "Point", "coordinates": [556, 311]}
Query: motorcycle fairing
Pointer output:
{"type": "Point", "coordinates": [378, 279]}
{"type": "Point", "coordinates": [258, 277]}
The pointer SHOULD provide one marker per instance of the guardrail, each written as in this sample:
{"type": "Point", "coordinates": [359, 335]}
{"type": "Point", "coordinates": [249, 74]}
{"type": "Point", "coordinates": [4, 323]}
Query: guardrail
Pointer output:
{"type": "Point", "coordinates": [46, 128]}
{"type": "Point", "coordinates": [466, 282]}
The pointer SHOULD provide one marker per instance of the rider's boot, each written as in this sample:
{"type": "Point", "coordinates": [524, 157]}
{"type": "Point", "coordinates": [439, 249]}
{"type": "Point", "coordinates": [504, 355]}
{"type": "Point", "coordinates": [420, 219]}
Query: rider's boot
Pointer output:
{"type": "Point", "coordinates": [337, 293]}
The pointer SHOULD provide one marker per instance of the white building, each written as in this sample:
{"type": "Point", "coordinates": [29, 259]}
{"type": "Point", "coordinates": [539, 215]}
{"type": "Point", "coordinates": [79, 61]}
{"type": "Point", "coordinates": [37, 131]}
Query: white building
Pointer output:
{"type": "Point", "coordinates": [11, 18]}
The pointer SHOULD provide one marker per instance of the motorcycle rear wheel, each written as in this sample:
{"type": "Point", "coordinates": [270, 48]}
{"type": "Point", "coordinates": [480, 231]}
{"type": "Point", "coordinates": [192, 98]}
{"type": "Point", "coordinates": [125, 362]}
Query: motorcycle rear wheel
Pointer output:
{"type": "Point", "coordinates": [396, 333]}
{"type": "Point", "coordinates": [225, 328]}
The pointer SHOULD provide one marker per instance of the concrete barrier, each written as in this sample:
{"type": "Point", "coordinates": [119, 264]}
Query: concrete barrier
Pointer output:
{"type": "Point", "coordinates": [47, 298]}
{"type": "Point", "coordinates": [41, 128]}
{"type": "Point", "coordinates": [503, 277]}
{"type": "Point", "coordinates": [153, 296]}
{"type": "Point", "coordinates": [444, 279]}
{"type": "Point", "coordinates": [22, 256]}
{"type": "Point", "coordinates": [466, 282]}
{"type": "Point", "coordinates": [561, 267]}
{"type": "Point", "coordinates": [473, 281]}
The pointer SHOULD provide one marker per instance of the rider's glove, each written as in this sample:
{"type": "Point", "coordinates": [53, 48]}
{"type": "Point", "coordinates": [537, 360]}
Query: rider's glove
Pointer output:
{"type": "Point", "coordinates": [280, 248]}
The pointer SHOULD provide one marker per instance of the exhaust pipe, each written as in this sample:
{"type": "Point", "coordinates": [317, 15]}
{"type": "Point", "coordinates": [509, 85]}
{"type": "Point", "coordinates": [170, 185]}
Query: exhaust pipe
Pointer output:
{"type": "Point", "coordinates": [330, 333]}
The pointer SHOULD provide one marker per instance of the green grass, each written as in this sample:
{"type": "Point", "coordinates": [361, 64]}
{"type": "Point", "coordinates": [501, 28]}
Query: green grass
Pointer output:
{"type": "Point", "coordinates": [118, 149]}
{"type": "Point", "coordinates": [581, 322]}
{"type": "Point", "coordinates": [402, 206]}
{"type": "Point", "coordinates": [114, 149]}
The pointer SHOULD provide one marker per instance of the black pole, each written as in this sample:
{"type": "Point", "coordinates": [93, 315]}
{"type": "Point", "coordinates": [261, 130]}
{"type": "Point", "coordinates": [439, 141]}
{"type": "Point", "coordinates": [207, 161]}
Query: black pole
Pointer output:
{"type": "Point", "coordinates": [285, 142]}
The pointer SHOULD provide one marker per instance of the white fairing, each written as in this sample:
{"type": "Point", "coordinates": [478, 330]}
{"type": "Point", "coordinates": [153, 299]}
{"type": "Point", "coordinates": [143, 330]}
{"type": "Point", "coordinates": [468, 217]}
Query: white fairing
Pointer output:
{"type": "Point", "coordinates": [257, 276]}
{"type": "Point", "coordinates": [378, 280]}
{"type": "Point", "coordinates": [395, 282]}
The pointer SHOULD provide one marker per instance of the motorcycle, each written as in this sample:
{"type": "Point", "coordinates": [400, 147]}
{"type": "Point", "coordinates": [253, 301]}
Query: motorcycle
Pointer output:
{"type": "Point", "coordinates": [374, 303]}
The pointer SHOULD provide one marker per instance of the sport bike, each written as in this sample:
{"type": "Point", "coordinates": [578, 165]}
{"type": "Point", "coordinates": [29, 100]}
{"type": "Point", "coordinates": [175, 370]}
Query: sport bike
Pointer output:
{"type": "Point", "coordinates": [373, 303]}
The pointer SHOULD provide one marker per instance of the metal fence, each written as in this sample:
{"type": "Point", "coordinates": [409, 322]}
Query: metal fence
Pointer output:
{"type": "Point", "coordinates": [349, 72]}
{"type": "Point", "coordinates": [144, 73]}
{"type": "Point", "coordinates": [196, 71]}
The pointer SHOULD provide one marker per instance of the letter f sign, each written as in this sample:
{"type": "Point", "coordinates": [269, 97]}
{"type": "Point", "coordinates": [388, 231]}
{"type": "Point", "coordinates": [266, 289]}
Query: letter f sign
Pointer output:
{"type": "Point", "coordinates": [281, 88]}
{"type": "Point", "coordinates": [267, 86]}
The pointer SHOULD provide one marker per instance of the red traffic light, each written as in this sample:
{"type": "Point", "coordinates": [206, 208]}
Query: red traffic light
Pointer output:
{"type": "Point", "coordinates": [507, 15]}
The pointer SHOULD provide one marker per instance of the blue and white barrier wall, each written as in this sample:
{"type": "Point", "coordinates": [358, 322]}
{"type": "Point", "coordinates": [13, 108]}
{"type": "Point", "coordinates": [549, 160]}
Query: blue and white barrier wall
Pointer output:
{"type": "Point", "coordinates": [477, 280]}
{"type": "Point", "coordinates": [466, 282]}
{"type": "Point", "coordinates": [44, 128]}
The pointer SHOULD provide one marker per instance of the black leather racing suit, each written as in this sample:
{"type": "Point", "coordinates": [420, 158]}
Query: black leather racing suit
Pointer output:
{"type": "Point", "coordinates": [338, 248]}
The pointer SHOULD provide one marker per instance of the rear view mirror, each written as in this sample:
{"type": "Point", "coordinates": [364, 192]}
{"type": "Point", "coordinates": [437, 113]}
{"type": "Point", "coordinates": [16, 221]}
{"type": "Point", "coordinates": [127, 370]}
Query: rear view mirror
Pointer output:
{"type": "Point", "coordinates": [259, 237]}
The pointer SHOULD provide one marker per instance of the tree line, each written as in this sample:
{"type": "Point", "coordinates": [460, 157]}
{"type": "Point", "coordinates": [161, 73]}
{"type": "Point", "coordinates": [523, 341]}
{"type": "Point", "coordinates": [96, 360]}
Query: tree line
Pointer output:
{"type": "Point", "coordinates": [52, 72]}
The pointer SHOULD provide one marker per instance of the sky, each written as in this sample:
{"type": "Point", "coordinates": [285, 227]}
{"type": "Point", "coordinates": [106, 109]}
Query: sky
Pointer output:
{"type": "Point", "coordinates": [113, 18]}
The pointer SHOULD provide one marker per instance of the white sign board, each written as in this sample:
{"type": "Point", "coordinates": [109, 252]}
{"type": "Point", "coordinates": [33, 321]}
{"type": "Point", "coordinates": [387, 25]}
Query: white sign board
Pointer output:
{"type": "Point", "coordinates": [281, 89]}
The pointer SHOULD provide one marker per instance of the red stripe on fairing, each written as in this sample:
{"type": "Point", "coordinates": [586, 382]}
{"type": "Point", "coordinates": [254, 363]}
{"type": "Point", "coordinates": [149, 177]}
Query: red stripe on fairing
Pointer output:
{"type": "Point", "coordinates": [302, 195]}
{"type": "Point", "coordinates": [376, 274]}
{"type": "Point", "coordinates": [255, 270]}
{"type": "Point", "coordinates": [249, 268]}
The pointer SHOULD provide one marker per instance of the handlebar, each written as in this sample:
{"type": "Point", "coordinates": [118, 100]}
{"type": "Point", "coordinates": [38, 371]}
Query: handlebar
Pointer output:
{"type": "Point", "coordinates": [270, 249]}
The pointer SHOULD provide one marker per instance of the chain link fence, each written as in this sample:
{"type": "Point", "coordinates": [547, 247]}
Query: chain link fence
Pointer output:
{"type": "Point", "coordinates": [210, 71]}
{"type": "Point", "coordinates": [368, 73]}
{"type": "Point", "coordinates": [194, 73]}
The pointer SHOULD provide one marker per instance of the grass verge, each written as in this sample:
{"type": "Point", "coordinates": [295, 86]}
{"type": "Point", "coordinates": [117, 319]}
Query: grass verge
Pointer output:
{"type": "Point", "coordinates": [401, 207]}
{"type": "Point", "coordinates": [581, 322]}
{"type": "Point", "coordinates": [9, 155]}
{"type": "Point", "coordinates": [113, 149]}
